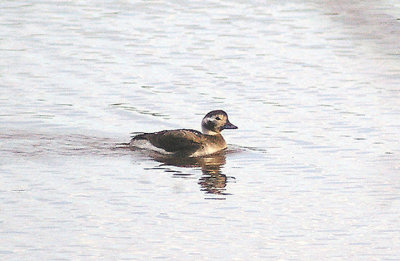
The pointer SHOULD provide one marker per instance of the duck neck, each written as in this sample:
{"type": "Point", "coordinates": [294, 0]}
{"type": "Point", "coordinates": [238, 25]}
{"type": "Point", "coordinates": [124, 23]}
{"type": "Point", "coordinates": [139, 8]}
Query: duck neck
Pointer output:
{"type": "Point", "coordinates": [209, 132]}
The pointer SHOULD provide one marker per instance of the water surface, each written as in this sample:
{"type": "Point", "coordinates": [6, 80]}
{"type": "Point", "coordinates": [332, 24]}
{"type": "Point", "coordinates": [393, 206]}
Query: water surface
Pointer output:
{"type": "Point", "coordinates": [312, 172]}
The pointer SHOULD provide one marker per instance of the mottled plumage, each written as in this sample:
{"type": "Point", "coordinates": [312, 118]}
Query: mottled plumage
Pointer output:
{"type": "Point", "coordinates": [191, 142]}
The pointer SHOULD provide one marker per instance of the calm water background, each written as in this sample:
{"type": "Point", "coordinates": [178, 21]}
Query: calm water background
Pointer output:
{"type": "Point", "coordinates": [312, 173]}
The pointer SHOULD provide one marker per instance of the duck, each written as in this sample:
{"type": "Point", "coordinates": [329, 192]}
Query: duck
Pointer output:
{"type": "Point", "coordinates": [188, 142]}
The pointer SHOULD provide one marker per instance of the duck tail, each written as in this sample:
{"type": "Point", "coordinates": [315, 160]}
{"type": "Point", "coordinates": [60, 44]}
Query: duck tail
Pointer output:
{"type": "Point", "coordinates": [141, 136]}
{"type": "Point", "coordinates": [123, 144]}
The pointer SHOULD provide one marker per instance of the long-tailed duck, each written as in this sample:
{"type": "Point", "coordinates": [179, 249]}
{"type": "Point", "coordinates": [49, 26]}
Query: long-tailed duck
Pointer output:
{"type": "Point", "coordinates": [187, 142]}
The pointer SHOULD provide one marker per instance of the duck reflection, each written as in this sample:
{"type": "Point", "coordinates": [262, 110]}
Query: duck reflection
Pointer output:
{"type": "Point", "coordinates": [212, 181]}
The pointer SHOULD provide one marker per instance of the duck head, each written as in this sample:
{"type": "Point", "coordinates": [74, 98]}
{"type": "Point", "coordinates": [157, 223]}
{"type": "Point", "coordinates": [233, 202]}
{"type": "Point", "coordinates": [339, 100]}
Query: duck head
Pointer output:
{"type": "Point", "coordinates": [216, 121]}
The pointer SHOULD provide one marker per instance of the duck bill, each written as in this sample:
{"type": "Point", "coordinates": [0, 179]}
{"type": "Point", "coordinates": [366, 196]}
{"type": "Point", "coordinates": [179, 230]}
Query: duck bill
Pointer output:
{"type": "Point", "coordinates": [229, 125]}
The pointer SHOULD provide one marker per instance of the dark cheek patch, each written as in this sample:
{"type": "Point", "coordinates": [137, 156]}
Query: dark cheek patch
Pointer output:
{"type": "Point", "coordinates": [210, 125]}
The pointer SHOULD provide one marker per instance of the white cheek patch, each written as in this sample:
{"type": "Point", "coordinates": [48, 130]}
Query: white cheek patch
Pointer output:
{"type": "Point", "coordinates": [208, 119]}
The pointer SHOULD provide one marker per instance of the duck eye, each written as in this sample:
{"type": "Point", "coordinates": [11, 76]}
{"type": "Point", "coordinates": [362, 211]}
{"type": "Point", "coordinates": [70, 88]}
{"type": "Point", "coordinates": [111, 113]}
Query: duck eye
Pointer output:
{"type": "Point", "coordinates": [218, 118]}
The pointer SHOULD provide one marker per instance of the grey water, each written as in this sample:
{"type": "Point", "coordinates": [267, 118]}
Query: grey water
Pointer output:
{"type": "Point", "coordinates": [312, 173]}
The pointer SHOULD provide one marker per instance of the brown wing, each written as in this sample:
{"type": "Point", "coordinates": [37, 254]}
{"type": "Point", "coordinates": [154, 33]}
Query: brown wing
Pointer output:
{"type": "Point", "coordinates": [176, 140]}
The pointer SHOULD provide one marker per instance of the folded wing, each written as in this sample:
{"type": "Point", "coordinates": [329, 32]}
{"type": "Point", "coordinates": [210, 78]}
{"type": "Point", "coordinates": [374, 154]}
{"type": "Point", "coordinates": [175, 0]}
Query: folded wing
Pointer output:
{"type": "Point", "coordinates": [174, 140]}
